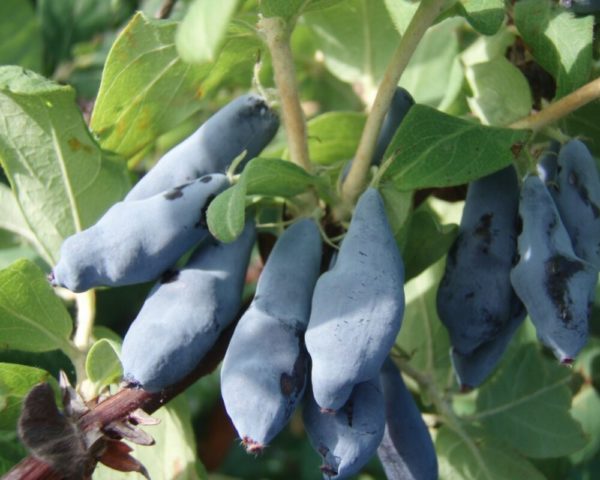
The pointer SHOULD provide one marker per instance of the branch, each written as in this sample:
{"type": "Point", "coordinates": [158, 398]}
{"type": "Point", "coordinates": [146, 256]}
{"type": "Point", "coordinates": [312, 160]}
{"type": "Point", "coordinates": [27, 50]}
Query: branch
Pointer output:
{"type": "Point", "coordinates": [277, 34]}
{"type": "Point", "coordinates": [121, 405]}
{"type": "Point", "coordinates": [165, 9]}
{"type": "Point", "coordinates": [425, 15]}
{"type": "Point", "coordinates": [561, 108]}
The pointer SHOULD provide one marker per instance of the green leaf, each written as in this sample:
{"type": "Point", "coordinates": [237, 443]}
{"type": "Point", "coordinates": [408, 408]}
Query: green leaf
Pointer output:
{"type": "Point", "coordinates": [334, 136]}
{"type": "Point", "coordinates": [226, 213]}
{"type": "Point", "coordinates": [501, 93]}
{"type": "Point", "coordinates": [428, 240]}
{"type": "Point", "coordinates": [401, 12]}
{"type": "Point", "coordinates": [527, 405]}
{"type": "Point", "coordinates": [15, 383]}
{"type": "Point", "coordinates": [173, 456]}
{"type": "Point", "coordinates": [275, 178]}
{"type": "Point", "coordinates": [102, 363]}
{"type": "Point", "coordinates": [9, 255]}
{"type": "Point", "coordinates": [147, 89]}
{"type": "Point", "coordinates": [357, 39]}
{"type": "Point", "coordinates": [20, 35]}
{"type": "Point", "coordinates": [560, 42]}
{"type": "Point", "coordinates": [485, 49]}
{"type": "Point", "coordinates": [201, 33]}
{"type": "Point", "coordinates": [285, 10]}
{"type": "Point", "coordinates": [32, 317]}
{"type": "Point", "coordinates": [11, 218]}
{"type": "Point", "coordinates": [66, 22]}
{"type": "Point", "coordinates": [477, 457]}
{"type": "Point", "coordinates": [398, 208]}
{"type": "Point", "coordinates": [434, 59]}
{"type": "Point", "coordinates": [423, 335]}
{"type": "Point", "coordinates": [60, 177]}
{"type": "Point", "coordinates": [485, 16]}
{"type": "Point", "coordinates": [262, 176]}
{"type": "Point", "coordinates": [432, 149]}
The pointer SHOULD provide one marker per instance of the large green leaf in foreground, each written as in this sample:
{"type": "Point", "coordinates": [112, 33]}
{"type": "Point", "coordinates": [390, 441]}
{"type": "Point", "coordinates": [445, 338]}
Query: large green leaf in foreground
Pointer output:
{"type": "Point", "coordinates": [60, 177]}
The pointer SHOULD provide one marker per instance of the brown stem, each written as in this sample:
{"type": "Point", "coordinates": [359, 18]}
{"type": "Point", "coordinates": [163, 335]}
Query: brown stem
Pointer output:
{"type": "Point", "coordinates": [121, 405]}
{"type": "Point", "coordinates": [165, 9]}
{"type": "Point", "coordinates": [355, 181]}
{"type": "Point", "coordinates": [561, 108]}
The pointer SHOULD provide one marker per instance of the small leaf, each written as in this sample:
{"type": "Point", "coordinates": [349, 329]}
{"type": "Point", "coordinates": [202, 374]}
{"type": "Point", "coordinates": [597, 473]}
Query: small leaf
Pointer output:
{"type": "Point", "coordinates": [275, 178]}
{"type": "Point", "coordinates": [560, 42]}
{"type": "Point", "coordinates": [432, 149]}
{"type": "Point", "coordinates": [201, 33]}
{"type": "Point", "coordinates": [15, 383]}
{"type": "Point", "coordinates": [261, 176]}
{"type": "Point", "coordinates": [485, 16]}
{"type": "Point", "coordinates": [334, 136]}
{"type": "Point", "coordinates": [60, 177]}
{"type": "Point", "coordinates": [102, 363]}
{"type": "Point", "coordinates": [527, 405]}
{"type": "Point", "coordinates": [32, 317]}
{"type": "Point", "coordinates": [501, 93]}
{"type": "Point", "coordinates": [477, 457]}
{"type": "Point", "coordinates": [226, 213]}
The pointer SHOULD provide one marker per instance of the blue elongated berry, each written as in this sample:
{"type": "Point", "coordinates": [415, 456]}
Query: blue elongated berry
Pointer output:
{"type": "Point", "coordinates": [547, 166]}
{"type": "Point", "coordinates": [347, 439]}
{"type": "Point", "coordinates": [473, 368]}
{"type": "Point", "coordinates": [357, 306]}
{"type": "Point", "coordinates": [475, 294]}
{"type": "Point", "coordinates": [185, 312]}
{"type": "Point", "coordinates": [266, 365]}
{"type": "Point", "coordinates": [137, 241]}
{"type": "Point", "coordinates": [406, 450]}
{"type": "Point", "coordinates": [556, 286]}
{"type": "Point", "coordinates": [246, 123]}
{"type": "Point", "coordinates": [401, 103]}
{"type": "Point", "coordinates": [576, 193]}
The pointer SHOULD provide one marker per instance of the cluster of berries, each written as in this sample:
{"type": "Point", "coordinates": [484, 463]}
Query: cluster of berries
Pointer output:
{"type": "Point", "coordinates": [321, 338]}
{"type": "Point", "coordinates": [533, 249]}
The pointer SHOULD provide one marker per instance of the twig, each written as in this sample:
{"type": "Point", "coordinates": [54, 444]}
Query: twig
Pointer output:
{"type": "Point", "coordinates": [425, 15]}
{"type": "Point", "coordinates": [446, 413]}
{"type": "Point", "coordinates": [165, 9]}
{"type": "Point", "coordinates": [277, 35]}
{"type": "Point", "coordinates": [561, 108]}
{"type": "Point", "coordinates": [120, 405]}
